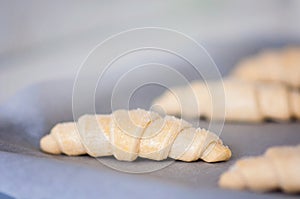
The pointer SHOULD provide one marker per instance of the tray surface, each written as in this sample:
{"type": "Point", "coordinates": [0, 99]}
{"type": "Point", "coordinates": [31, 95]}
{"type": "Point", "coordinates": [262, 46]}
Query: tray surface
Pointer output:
{"type": "Point", "coordinates": [28, 173]}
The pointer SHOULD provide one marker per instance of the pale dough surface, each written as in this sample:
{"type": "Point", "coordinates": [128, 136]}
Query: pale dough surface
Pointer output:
{"type": "Point", "coordinates": [278, 168]}
{"type": "Point", "coordinates": [272, 66]}
{"type": "Point", "coordinates": [232, 100]}
{"type": "Point", "coordinates": [136, 133]}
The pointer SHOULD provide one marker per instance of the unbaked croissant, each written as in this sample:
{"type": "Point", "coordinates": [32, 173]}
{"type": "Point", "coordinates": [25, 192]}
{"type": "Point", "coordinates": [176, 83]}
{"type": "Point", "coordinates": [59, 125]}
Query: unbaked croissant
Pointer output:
{"type": "Point", "coordinates": [272, 66]}
{"type": "Point", "coordinates": [129, 134]}
{"type": "Point", "coordinates": [242, 101]}
{"type": "Point", "coordinates": [278, 168]}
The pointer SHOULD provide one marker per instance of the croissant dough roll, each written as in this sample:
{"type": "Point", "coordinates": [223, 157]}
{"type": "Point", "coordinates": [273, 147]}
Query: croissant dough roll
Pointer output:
{"type": "Point", "coordinates": [272, 66]}
{"type": "Point", "coordinates": [278, 168]}
{"type": "Point", "coordinates": [129, 134]}
{"type": "Point", "coordinates": [244, 101]}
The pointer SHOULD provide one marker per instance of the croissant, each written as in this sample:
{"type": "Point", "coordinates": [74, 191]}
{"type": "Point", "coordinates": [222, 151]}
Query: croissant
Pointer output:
{"type": "Point", "coordinates": [129, 134]}
{"type": "Point", "coordinates": [272, 66]}
{"type": "Point", "coordinates": [278, 168]}
{"type": "Point", "coordinates": [244, 101]}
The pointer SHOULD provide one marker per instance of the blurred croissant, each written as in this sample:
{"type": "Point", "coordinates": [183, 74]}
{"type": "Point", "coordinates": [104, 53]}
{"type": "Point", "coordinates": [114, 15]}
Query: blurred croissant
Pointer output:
{"type": "Point", "coordinates": [272, 66]}
{"type": "Point", "coordinates": [278, 168]}
{"type": "Point", "coordinates": [129, 134]}
{"type": "Point", "coordinates": [233, 99]}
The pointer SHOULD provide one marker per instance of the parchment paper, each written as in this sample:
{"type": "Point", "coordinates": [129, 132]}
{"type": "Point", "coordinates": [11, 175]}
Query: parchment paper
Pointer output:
{"type": "Point", "coordinates": [26, 172]}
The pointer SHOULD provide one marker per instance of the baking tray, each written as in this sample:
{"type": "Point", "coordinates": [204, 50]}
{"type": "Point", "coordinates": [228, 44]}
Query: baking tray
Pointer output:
{"type": "Point", "coordinates": [26, 172]}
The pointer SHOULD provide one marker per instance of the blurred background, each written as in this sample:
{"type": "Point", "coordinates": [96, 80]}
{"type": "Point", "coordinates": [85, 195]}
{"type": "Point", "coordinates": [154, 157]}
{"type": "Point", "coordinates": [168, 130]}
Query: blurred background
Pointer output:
{"type": "Point", "coordinates": [48, 41]}
{"type": "Point", "coordinates": [42, 40]}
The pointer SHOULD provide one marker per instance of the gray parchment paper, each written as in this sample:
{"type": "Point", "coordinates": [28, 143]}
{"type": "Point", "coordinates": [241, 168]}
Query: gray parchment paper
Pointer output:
{"type": "Point", "coordinates": [26, 172]}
